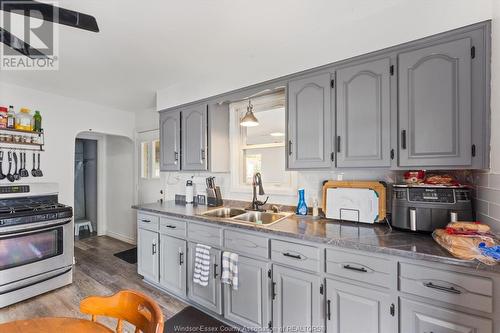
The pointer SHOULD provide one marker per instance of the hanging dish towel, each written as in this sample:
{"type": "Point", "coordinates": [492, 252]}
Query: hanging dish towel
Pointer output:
{"type": "Point", "coordinates": [230, 269]}
{"type": "Point", "coordinates": [201, 265]}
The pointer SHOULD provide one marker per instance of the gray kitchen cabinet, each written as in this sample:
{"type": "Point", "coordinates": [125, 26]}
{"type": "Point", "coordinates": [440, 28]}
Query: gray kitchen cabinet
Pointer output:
{"type": "Point", "coordinates": [363, 115]}
{"type": "Point", "coordinates": [209, 296]}
{"type": "Point", "coordinates": [435, 105]}
{"type": "Point", "coordinates": [170, 141]}
{"type": "Point", "coordinates": [310, 121]}
{"type": "Point", "coordinates": [147, 253]}
{"type": "Point", "coordinates": [418, 317]}
{"type": "Point", "coordinates": [298, 300]}
{"type": "Point", "coordinates": [173, 264]}
{"type": "Point", "coordinates": [353, 309]}
{"type": "Point", "coordinates": [250, 304]}
{"type": "Point", "coordinates": [194, 138]}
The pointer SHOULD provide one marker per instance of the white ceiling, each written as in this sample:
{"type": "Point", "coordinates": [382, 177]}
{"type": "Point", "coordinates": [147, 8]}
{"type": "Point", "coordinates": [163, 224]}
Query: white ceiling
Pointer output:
{"type": "Point", "coordinates": [146, 46]}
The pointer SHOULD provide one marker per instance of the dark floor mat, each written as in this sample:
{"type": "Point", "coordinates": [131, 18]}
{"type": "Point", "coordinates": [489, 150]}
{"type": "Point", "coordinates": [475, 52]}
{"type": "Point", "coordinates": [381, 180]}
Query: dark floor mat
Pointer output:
{"type": "Point", "coordinates": [129, 255]}
{"type": "Point", "coordinates": [193, 320]}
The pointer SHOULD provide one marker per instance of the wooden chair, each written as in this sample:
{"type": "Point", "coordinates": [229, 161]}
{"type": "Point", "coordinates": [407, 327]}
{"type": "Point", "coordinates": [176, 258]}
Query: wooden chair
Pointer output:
{"type": "Point", "coordinates": [129, 305]}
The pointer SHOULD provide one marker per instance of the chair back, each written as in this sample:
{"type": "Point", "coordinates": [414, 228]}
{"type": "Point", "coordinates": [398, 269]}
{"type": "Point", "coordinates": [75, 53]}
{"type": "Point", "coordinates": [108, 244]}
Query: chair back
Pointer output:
{"type": "Point", "coordinates": [126, 305]}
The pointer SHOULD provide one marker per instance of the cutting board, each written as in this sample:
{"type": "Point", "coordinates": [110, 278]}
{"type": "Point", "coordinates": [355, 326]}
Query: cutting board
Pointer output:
{"type": "Point", "coordinates": [360, 201]}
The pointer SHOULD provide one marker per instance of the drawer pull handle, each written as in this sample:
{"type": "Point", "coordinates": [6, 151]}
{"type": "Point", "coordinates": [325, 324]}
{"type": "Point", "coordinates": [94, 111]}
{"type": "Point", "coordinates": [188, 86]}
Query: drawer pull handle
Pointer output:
{"type": "Point", "coordinates": [446, 289]}
{"type": "Point", "coordinates": [181, 258]}
{"type": "Point", "coordinates": [146, 221]}
{"type": "Point", "coordinates": [329, 310]}
{"type": "Point", "coordinates": [294, 256]}
{"type": "Point", "coordinates": [171, 226]}
{"type": "Point", "coordinates": [357, 269]}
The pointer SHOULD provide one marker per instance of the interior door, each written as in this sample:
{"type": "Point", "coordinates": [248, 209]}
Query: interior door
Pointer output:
{"type": "Point", "coordinates": [435, 105]}
{"type": "Point", "coordinates": [170, 140]}
{"type": "Point", "coordinates": [194, 138]}
{"type": "Point", "coordinates": [363, 115]}
{"type": "Point", "coordinates": [148, 162]}
{"type": "Point", "coordinates": [310, 122]}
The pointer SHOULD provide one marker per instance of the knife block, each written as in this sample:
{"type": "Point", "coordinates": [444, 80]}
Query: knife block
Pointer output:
{"type": "Point", "coordinates": [214, 197]}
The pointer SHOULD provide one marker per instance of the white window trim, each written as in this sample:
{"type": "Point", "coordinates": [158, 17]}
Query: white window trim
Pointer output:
{"type": "Point", "coordinates": [236, 146]}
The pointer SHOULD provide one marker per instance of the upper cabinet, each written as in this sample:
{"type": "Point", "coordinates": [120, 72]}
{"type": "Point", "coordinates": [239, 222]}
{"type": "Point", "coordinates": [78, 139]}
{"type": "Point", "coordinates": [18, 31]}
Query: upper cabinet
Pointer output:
{"type": "Point", "coordinates": [194, 138]}
{"type": "Point", "coordinates": [310, 122]}
{"type": "Point", "coordinates": [363, 115]}
{"type": "Point", "coordinates": [170, 141]}
{"type": "Point", "coordinates": [435, 105]}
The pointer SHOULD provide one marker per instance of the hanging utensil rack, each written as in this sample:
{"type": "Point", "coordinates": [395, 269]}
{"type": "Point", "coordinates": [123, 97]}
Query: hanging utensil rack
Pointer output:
{"type": "Point", "coordinates": [15, 139]}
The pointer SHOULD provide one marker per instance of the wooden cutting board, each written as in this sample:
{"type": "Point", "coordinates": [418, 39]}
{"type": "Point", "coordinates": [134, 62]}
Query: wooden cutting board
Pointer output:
{"type": "Point", "coordinates": [377, 186]}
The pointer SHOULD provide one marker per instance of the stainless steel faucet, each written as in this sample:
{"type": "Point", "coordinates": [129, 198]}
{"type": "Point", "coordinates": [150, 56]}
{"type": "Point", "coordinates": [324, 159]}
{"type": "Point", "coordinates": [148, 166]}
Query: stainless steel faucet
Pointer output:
{"type": "Point", "coordinates": [257, 181]}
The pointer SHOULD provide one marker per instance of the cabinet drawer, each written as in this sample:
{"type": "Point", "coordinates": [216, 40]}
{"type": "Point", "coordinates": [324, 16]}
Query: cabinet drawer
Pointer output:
{"type": "Point", "coordinates": [148, 221]}
{"type": "Point", "coordinates": [244, 243]}
{"type": "Point", "coordinates": [172, 227]}
{"type": "Point", "coordinates": [297, 255]}
{"type": "Point", "coordinates": [204, 234]}
{"type": "Point", "coordinates": [451, 287]}
{"type": "Point", "coordinates": [364, 268]}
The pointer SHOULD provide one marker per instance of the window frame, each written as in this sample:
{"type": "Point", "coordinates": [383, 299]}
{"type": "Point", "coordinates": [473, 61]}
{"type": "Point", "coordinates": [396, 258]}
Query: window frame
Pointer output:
{"type": "Point", "coordinates": [238, 145]}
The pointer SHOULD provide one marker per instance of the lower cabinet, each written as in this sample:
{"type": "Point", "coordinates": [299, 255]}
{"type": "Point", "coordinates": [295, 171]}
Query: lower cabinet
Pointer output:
{"type": "Point", "coordinates": [418, 317]}
{"type": "Point", "coordinates": [353, 309]}
{"type": "Point", "coordinates": [298, 300]}
{"type": "Point", "coordinates": [173, 264]}
{"type": "Point", "coordinates": [209, 296]}
{"type": "Point", "coordinates": [250, 304]}
{"type": "Point", "coordinates": [147, 254]}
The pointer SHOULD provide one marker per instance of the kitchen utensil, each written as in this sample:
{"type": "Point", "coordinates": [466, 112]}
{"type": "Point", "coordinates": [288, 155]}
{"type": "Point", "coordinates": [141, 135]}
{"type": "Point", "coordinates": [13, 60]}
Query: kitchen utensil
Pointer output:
{"type": "Point", "coordinates": [359, 201]}
{"type": "Point", "coordinates": [23, 172]}
{"type": "Point", "coordinates": [2, 175]}
{"type": "Point", "coordinates": [39, 172]}
{"type": "Point", "coordinates": [16, 172]}
{"type": "Point", "coordinates": [10, 177]}
{"type": "Point", "coordinates": [33, 171]}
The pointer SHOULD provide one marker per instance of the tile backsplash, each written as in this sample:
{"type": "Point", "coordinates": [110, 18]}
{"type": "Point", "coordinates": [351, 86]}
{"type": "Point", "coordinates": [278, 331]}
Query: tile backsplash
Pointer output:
{"type": "Point", "coordinates": [487, 198]}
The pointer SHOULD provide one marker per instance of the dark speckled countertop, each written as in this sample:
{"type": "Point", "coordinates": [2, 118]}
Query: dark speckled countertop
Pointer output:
{"type": "Point", "coordinates": [378, 238]}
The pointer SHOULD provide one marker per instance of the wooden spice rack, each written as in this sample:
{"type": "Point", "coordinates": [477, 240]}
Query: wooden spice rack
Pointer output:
{"type": "Point", "coordinates": [15, 139]}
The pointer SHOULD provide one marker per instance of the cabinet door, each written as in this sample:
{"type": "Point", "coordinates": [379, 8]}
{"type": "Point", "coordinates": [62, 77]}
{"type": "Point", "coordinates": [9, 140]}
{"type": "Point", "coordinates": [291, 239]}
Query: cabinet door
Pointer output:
{"type": "Point", "coordinates": [353, 309]}
{"type": "Point", "coordinates": [297, 300]}
{"type": "Point", "coordinates": [418, 317]}
{"type": "Point", "coordinates": [147, 254]}
{"type": "Point", "coordinates": [173, 264]}
{"type": "Point", "coordinates": [170, 140]}
{"type": "Point", "coordinates": [194, 138]}
{"type": "Point", "coordinates": [310, 122]}
{"type": "Point", "coordinates": [209, 296]}
{"type": "Point", "coordinates": [363, 115]}
{"type": "Point", "coordinates": [249, 305]}
{"type": "Point", "coordinates": [435, 105]}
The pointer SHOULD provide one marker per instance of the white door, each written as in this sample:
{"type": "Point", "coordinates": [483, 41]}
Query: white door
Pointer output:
{"type": "Point", "coordinates": [148, 163]}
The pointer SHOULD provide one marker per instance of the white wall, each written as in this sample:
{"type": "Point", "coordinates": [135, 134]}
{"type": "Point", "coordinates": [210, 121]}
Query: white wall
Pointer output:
{"type": "Point", "coordinates": [313, 35]}
{"type": "Point", "coordinates": [120, 180]}
{"type": "Point", "coordinates": [63, 119]}
{"type": "Point", "coordinates": [495, 89]}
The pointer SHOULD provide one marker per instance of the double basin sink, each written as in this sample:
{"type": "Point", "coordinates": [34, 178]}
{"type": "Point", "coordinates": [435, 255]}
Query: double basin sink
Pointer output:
{"type": "Point", "coordinates": [244, 216]}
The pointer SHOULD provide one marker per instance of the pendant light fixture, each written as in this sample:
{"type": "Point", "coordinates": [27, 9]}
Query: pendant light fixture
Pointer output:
{"type": "Point", "coordinates": [249, 119]}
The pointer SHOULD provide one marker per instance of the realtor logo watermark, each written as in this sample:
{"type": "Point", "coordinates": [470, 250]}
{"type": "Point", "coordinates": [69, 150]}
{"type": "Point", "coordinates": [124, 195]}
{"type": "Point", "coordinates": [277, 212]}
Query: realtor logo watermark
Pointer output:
{"type": "Point", "coordinates": [26, 29]}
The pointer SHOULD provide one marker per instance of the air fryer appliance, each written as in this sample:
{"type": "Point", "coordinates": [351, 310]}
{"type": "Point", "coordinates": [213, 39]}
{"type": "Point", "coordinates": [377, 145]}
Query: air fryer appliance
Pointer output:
{"type": "Point", "coordinates": [425, 208]}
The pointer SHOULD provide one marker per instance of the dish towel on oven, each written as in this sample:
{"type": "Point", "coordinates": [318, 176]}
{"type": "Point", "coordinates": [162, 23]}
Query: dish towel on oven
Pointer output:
{"type": "Point", "coordinates": [201, 265]}
{"type": "Point", "coordinates": [230, 269]}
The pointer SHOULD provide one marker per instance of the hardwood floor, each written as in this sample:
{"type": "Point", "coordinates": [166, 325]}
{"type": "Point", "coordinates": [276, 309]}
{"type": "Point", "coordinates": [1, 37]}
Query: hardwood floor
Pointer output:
{"type": "Point", "coordinates": [97, 272]}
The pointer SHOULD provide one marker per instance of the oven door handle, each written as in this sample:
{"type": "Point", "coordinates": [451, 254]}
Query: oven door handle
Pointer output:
{"type": "Point", "coordinates": [29, 228]}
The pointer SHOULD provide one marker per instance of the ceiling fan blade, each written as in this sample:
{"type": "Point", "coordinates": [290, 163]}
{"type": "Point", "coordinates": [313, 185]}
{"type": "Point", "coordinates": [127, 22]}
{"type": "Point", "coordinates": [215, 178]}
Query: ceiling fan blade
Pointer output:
{"type": "Point", "coordinates": [19, 45]}
{"type": "Point", "coordinates": [51, 13]}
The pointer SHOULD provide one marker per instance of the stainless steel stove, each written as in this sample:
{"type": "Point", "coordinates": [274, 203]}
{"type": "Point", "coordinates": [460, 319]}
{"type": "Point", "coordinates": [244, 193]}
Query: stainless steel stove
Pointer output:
{"type": "Point", "coordinates": [36, 241]}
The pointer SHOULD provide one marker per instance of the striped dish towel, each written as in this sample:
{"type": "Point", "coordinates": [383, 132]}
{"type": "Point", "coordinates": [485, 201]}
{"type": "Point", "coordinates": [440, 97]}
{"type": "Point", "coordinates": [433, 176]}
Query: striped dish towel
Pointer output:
{"type": "Point", "coordinates": [201, 265]}
{"type": "Point", "coordinates": [230, 269]}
